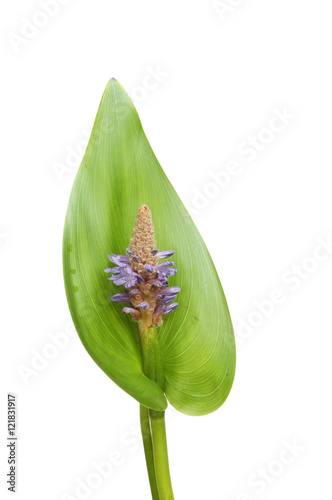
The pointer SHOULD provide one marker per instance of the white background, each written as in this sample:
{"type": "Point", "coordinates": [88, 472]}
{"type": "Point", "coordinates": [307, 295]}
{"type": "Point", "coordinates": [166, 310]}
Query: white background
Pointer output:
{"type": "Point", "coordinates": [221, 78]}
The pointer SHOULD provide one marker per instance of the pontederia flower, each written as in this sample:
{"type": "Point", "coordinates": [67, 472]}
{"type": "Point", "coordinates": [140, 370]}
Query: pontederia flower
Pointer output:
{"type": "Point", "coordinates": [190, 361]}
{"type": "Point", "coordinates": [147, 281]}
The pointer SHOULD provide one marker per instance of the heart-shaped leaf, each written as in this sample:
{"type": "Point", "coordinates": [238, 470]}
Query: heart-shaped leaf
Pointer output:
{"type": "Point", "coordinates": [118, 174]}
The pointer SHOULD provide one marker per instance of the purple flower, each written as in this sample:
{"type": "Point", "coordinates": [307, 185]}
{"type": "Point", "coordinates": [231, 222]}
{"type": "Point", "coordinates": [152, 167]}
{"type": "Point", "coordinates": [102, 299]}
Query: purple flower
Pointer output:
{"type": "Point", "coordinates": [165, 255]}
{"type": "Point", "coordinates": [126, 279]}
{"type": "Point", "coordinates": [173, 271]}
{"type": "Point", "coordinates": [171, 308]}
{"type": "Point", "coordinates": [145, 279]}
{"type": "Point", "coordinates": [165, 264]}
{"type": "Point", "coordinates": [165, 269]}
{"type": "Point", "coordinates": [123, 274]}
{"type": "Point", "coordinates": [111, 270]}
{"type": "Point", "coordinates": [143, 305]}
{"type": "Point", "coordinates": [118, 259]}
{"type": "Point", "coordinates": [168, 298]}
{"type": "Point", "coordinates": [121, 298]}
{"type": "Point", "coordinates": [167, 295]}
{"type": "Point", "coordinates": [135, 314]}
{"type": "Point", "coordinates": [171, 290]}
{"type": "Point", "coordinates": [164, 309]}
{"type": "Point", "coordinates": [160, 281]}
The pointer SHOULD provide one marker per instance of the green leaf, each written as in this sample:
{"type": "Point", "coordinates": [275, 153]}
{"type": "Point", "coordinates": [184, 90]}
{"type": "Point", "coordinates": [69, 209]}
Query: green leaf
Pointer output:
{"type": "Point", "coordinates": [118, 174]}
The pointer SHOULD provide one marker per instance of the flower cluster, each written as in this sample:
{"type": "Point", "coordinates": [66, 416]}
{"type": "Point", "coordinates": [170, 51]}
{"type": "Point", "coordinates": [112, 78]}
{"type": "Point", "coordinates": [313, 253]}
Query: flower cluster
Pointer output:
{"type": "Point", "coordinates": [148, 295]}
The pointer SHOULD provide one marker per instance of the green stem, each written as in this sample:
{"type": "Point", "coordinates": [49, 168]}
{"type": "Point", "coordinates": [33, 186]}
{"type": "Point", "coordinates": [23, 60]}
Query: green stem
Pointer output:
{"type": "Point", "coordinates": [148, 450]}
{"type": "Point", "coordinates": [158, 429]}
{"type": "Point", "coordinates": [153, 422]}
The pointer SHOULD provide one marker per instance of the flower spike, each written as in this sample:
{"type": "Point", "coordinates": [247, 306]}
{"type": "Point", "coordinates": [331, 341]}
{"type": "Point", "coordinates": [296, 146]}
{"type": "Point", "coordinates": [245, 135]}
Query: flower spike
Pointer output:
{"type": "Point", "coordinates": [146, 280]}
